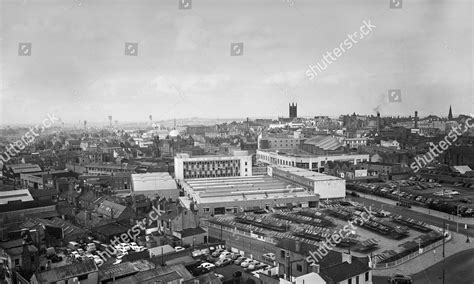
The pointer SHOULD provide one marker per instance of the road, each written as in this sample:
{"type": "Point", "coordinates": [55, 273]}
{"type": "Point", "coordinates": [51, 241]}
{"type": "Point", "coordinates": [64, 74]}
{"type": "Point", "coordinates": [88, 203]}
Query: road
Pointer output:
{"type": "Point", "coordinates": [458, 269]}
{"type": "Point", "coordinates": [429, 219]}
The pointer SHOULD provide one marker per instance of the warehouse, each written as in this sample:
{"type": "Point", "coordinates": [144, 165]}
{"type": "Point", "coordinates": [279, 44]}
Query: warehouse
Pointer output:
{"type": "Point", "coordinates": [327, 187]}
{"type": "Point", "coordinates": [229, 195]}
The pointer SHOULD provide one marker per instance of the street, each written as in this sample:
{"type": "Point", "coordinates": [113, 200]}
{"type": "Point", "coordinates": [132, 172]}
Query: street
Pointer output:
{"type": "Point", "coordinates": [458, 269]}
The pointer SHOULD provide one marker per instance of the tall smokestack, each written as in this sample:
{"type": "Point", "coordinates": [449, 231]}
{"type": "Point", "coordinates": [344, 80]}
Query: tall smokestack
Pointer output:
{"type": "Point", "coordinates": [416, 120]}
{"type": "Point", "coordinates": [378, 122]}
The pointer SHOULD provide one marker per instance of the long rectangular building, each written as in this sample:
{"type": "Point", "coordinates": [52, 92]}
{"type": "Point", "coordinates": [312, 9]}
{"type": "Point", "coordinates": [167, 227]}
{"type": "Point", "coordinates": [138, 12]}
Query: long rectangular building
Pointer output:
{"type": "Point", "coordinates": [229, 195]}
{"type": "Point", "coordinates": [303, 160]}
{"type": "Point", "coordinates": [326, 186]}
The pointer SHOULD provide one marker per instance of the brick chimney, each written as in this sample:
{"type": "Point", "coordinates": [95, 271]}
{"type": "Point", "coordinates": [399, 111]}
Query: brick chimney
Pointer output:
{"type": "Point", "coordinates": [416, 120]}
{"type": "Point", "coordinates": [314, 268]}
{"type": "Point", "coordinates": [346, 257]}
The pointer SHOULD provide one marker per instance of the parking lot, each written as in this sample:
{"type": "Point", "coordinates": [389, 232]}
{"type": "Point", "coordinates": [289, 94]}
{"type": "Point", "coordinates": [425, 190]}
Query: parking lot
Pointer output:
{"type": "Point", "coordinates": [451, 199]}
{"type": "Point", "coordinates": [227, 264]}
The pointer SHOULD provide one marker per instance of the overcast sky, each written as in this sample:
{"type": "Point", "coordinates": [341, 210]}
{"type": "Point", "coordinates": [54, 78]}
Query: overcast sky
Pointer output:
{"type": "Point", "coordinates": [78, 68]}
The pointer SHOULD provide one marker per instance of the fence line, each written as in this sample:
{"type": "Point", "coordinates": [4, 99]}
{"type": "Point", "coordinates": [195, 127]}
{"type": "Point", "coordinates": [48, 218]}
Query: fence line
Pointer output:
{"type": "Point", "coordinates": [410, 256]}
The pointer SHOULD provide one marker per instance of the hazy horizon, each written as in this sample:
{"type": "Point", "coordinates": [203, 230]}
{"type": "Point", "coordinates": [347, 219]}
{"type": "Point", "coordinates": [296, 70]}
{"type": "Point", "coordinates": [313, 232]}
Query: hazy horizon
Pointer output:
{"type": "Point", "coordinates": [78, 69]}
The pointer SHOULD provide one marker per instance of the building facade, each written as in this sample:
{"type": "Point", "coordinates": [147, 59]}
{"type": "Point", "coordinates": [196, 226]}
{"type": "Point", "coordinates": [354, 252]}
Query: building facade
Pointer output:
{"type": "Point", "coordinates": [186, 167]}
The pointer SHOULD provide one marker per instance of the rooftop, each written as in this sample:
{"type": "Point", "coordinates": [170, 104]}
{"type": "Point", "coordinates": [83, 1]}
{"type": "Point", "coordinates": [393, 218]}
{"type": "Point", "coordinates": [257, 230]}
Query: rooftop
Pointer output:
{"type": "Point", "coordinates": [229, 189]}
{"type": "Point", "coordinates": [315, 176]}
{"type": "Point", "coordinates": [153, 181]}
{"type": "Point", "coordinates": [12, 195]}
{"type": "Point", "coordinates": [66, 272]}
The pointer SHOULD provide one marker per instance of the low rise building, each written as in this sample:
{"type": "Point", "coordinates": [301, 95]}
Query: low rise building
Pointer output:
{"type": "Point", "coordinates": [229, 195]}
{"type": "Point", "coordinates": [299, 159]}
{"type": "Point", "coordinates": [85, 272]}
{"type": "Point", "coordinates": [153, 185]}
{"type": "Point", "coordinates": [325, 186]}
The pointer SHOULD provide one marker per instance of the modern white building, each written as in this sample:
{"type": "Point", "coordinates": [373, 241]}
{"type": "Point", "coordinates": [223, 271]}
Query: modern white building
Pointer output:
{"type": "Point", "coordinates": [155, 184]}
{"type": "Point", "coordinates": [326, 186]}
{"type": "Point", "coordinates": [305, 161]}
{"type": "Point", "coordinates": [230, 195]}
{"type": "Point", "coordinates": [187, 167]}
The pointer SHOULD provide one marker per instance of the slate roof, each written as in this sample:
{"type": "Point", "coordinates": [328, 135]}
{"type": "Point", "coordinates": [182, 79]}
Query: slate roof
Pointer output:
{"type": "Point", "coordinates": [67, 272]}
{"type": "Point", "coordinates": [191, 232]}
{"type": "Point", "coordinates": [24, 205]}
{"type": "Point", "coordinates": [330, 259]}
{"type": "Point", "coordinates": [324, 142]}
{"type": "Point", "coordinates": [344, 270]}
{"type": "Point", "coordinates": [109, 208]}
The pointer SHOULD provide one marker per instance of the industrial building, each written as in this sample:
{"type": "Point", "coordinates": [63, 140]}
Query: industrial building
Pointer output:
{"type": "Point", "coordinates": [325, 186]}
{"type": "Point", "coordinates": [155, 184]}
{"type": "Point", "coordinates": [186, 167]}
{"type": "Point", "coordinates": [229, 195]}
{"type": "Point", "coordinates": [300, 159]}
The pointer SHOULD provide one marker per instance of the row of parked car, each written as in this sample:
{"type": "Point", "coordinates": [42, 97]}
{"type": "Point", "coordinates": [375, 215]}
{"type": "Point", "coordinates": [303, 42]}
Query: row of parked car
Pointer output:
{"type": "Point", "coordinates": [221, 257]}
{"type": "Point", "coordinates": [82, 251]}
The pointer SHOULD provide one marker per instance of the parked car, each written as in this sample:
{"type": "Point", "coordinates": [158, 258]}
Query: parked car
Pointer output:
{"type": "Point", "coordinates": [220, 276]}
{"type": "Point", "coordinates": [225, 254]}
{"type": "Point", "coordinates": [217, 252]}
{"type": "Point", "coordinates": [252, 264]}
{"type": "Point", "coordinates": [239, 260]}
{"type": "Point", "coordinates": [56, 258]}
{"type": "Point", "coordinates": [269, 256]}
{"type": "Point", "coordinates": [207, 265]}
{"type": "Point", "coordinates": [246, 263]}
{"type": "Point", "coordinates": [223, 262]}
{"type": "Point", "coordinates": [400, 279]}
{"type": "Point", "coordinates": [178, 248]}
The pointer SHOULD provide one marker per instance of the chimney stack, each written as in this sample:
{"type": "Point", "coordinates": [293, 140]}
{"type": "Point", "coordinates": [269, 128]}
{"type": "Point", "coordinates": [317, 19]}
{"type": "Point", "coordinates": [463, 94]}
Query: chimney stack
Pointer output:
{"type": "Point", "coordinates": [346, 257]}
{"type": "Point", "coordinates": [416, 120]}
{"type": "Point", "coordinates": [378, 122]}
{"type": "Point", "coordinates": [314, 268]}
{"type": "Point", "coordinates": [297, 246]}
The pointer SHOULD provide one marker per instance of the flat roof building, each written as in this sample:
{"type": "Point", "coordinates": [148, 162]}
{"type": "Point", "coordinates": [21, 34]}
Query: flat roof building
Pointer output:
{"type": "Point", "coordinates": [15, 195]}
{"type": "Point", "coordinates": [228, 195]}
{"type": "Point", "coordinates": [301, 159]}
{"type": "Point", "coordinates": [325, 186]}
{"type": "Point", "coordinates": [155, 184]}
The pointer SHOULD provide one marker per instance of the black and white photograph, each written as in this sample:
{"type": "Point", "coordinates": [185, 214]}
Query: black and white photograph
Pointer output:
{"type": "Point", "coordinates": [236, 142]}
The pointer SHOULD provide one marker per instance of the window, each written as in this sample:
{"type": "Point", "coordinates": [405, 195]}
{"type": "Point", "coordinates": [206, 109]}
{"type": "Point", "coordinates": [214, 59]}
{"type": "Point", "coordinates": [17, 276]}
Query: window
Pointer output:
{"type": "Point", "coordinates": [299, 267]}
{"type": "Point", "coordinates": [367, 276]}
{"type": "Point", "coordinates": [17, 262]}
{"type": "Point", "coordinates": [349, 281]}
{"type": "Point", "coordinates": [357, 279]}
{"type": "Point", "coordinates": [283, 253]}
{"type": "Point", "coordinates": [82, 277]}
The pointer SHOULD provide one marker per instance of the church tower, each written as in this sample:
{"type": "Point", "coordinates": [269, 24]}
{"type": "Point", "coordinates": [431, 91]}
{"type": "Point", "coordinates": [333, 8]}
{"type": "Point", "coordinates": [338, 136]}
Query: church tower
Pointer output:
{"type": "Point", "coordinates": [450, 114]}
